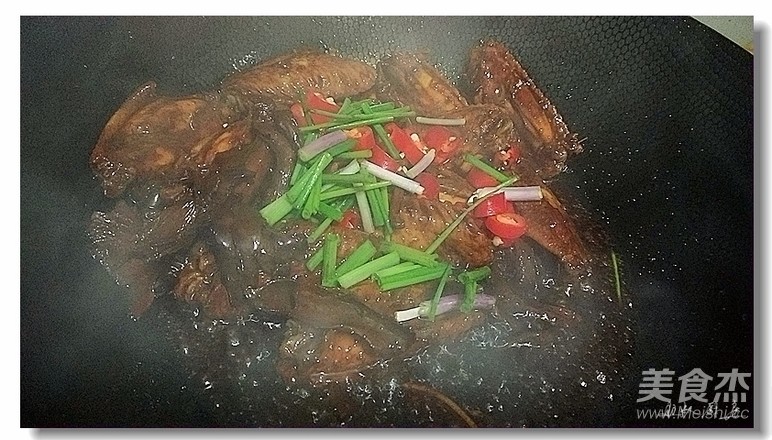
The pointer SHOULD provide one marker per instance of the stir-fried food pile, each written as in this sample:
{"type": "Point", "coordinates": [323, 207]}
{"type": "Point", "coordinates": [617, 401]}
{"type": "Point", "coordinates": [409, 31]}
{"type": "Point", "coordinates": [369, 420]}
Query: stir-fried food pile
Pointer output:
{"type": "Point", "coordinates": [365, 204]}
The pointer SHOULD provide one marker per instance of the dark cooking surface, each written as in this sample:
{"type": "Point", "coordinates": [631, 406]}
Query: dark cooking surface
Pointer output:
{"type": "Point", "coordinates": [666, 105]}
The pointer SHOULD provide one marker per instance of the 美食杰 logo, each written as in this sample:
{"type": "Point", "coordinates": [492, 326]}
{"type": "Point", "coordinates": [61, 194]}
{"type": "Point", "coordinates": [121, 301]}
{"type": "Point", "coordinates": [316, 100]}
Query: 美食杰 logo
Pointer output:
{"type": "Point", "coordinates": [694, 395]}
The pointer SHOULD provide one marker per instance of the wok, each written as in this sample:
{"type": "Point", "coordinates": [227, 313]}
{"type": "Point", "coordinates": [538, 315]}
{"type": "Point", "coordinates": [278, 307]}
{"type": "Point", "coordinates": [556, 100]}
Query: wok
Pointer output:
{"type": "Point", "coordinates": [666, 105]}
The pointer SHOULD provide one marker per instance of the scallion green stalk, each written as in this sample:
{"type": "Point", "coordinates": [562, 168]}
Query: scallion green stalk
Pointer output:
{"type": "Point", "coordinates": [361, 154]}
{"type": "Point", "coordinates": [330, 211]}
{"type": "Point", "coordinates": [361, 255]}
{"type": "Point", "coordinates": [384, 106]}
{"type": "Point", "coordinates": [384, 199]}
{"type": "Point", "coordinates": [313, 175]}
{"type": "Point", "coordinates": [475, 275]}
{"type": "Point", "coordinates": [383, 136]}
{"type": "Point", "coordinates": [438, 293]}
{"type": "Point", "coordinates": [297, 172]}
{"type": "Point", "coordinates": [349, 125]}
{"type": "Point", "coordinates": [319, 230]}
{"type": "Point", "coordinates": [276, 210]}
{"type": "Point", "coordinates": [445, 233]}
{"type": "Point", "coordinates": [329, 259]}
{"type": "Point", "coordinates": [470, 292]}
{"type": "Point", "coordinates": [346, 178]}
{"type": "Point", "coordinates": [414, 276]}
{"type": "Point", "coordinates": [344, 108]}
{"type": "Point", "coordinates": [326, 195]}
{"type": "Point", "coordinates": [493, 172]}
{"type": "Point", "coordinates": [394, 270]}
{"type": "Point", "coordinates": [364, 271]}
{"type": "Point", "coordinates": [365, 212]}
{"type": "Point", "coordinates": [375, 208]}
{"type": "Point", "coordinates": [315, 260]}
{"type": "Point", "coordinates": [343, 147]}
{"type": "Point", "coordinates": [410, 254]}
{"type": "Point", "coordinates": [311, 206]}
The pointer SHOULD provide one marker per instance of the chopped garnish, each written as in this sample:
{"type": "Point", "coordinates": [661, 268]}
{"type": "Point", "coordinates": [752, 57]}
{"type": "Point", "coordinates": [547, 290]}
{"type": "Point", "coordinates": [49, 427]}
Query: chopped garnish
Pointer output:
{"type": "Point", "coordinates": [434, 303]}
{"type": "Point", "coordinates": [410, 254]}
{"type": "Point", "coordinates": [475, 275]}
{"type": "Point", "coordinates": [315, 259]}
{"type": "Point", "coordinates": [353, 124]}
{"type": "Point", "coordinates": [311, 206]}
{"type": "Point", "coordinates": [375, 208]}
{"type": "Point", "coordinates": [306, 183]}
{"type": "Point", "coordinates": [401, 267]}
{"type": "Point", "coordinates": [444, 305]}
{"type": "Point", "coordinates": [443, 141]}
{"type": "Point", "coordinates": [440, 121]}
{"type": "Point", "coordinates": [479, 178]}
{"type": "Point", "coordinates": [298, 170]}
{"type": "Point", "coordinates": [362, 154]}
{"type": "Point", "coordinates": [413, 276]}
{"type": "Point", "coordinates": [342, 148]}
{"type": "Point", "coordinates": [364, 212]}
{"type": "Point", "coordinates": [366, 270]}
{"type": "Point", "coordinates": [276, 210]}
{"type": "Point", "coordinates": [330, 211]}
{"type": "Point", "coordinates": [493, 172]}
{"type": "Point", "coordinates": [515, 193]}
{"type": "Point", "coordinates": [379, 130]}
{"type": "Point", "coordinates": [422, 164]}
{"type": "Point", "coordinates": [335, 193]}
{"type": "Point", "coordinates": [322, 144]}
{"type": "Point", "coordinates": [319, 230]}
{"type": "Point", "coordinates": [404, 143]}
{"type": "Point", "coordinates": [329, 259]}
{"type": "Point", "coordinates": [508, 225]}
{"type": "Point", "coordinates": [470, 280]}
{"type": "Point", "coordinates": [383, 198]}
{"type": "Point", "coordinates": [617, 283]}
{"type": "Point", "coordinates": [360, 256]}
{"type": "Point", "coordinates": [495, 204]}
{"type": "Point", "coordinates": [400, 181]}
{"type": "Point", "coordinates": [445, 233]}
{"type": "Point", "coordinates": [347, 178]}
{"type": "Point", "coordinates": [351, 168]}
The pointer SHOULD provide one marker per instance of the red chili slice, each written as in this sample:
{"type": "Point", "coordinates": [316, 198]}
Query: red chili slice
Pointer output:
{"type": "Point", "coordinates": [506, 225]}
{"type": "Point", "coordinates": [440, 138]}
{"type": "Point", "coordinates": [298, 114]}
{"type": "Point", "coordinates": [480, 179]}
{"type": "Point", "coordinates": [514, 154]}
{"type": "Point", "coordinates": [431, 185]}
{"type": "Point", "coordinates": [364, 136]}
{"type": "Point", "coordinates": [350, 219]}
{"type": "Point", "coordinates": [405, 144]}
{"type": "Point", "coordinates": [316, 101]}
{"type": "Point", "coordinates": [496, 204]}
{"type": "Point", "coordinates": [382, 159]}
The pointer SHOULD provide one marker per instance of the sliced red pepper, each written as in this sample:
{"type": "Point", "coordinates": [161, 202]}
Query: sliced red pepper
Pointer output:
{"type": "Point", "coordinates": [382, 159]}
{"type": "Point", "coordinates": [496, 204]}
{"type": "Point", "coordinates": [431, 185]}
{"type": "Point", "coordinates": [514, 153]}
{"type": "Point", "coordinates": [441, 139]}
{"type": "Point", "coordinates": [480, 179]}
{"type": "Point", "coordinates": [315, 100]}
{"type": "Point", "coordinates": [364, 136]}
{"type": "Point", "coordinates": [506, 225]}
{"type": "Point", "coordinates": [350, 219]}
{"type": "Point", "coordinates": [405, 143]}
{"type": "Point", "coordinates": [298, 114]}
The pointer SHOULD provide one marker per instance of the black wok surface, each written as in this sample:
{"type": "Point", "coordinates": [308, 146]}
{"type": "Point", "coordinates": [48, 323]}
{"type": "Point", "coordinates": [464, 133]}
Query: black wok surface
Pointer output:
{"type": "Point", "coordinates": [666, 105]}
